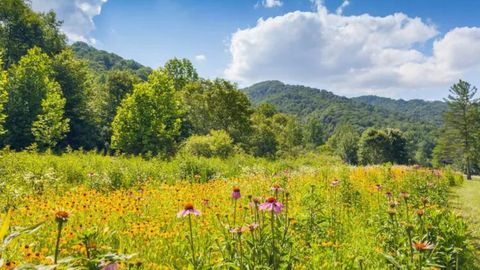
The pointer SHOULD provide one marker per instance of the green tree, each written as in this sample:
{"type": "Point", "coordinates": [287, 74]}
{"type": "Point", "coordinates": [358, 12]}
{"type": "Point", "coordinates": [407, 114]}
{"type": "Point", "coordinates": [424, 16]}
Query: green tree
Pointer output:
{"type": "Point", "coordinates": [314, 132]}
{"type": "Point", "coordinates": [217, 104]}
{"type": "Point", "coordinates": [109, 96]}
{"type": "Point", "coordinates": [29, 82]}
{"type": "Point", "coordinates": [181, 71]}
{"type": "Point", "coordinates": [380, 146]}
{"type": "Point", "coordinates": [22, 29]}
{"type": "Point", "coordinates": [3, 97]}
{"type": "Point", "coordinates": [459, 139]}
{"type": "Point", "coordinates": [75, 81]}
{"type": "Point", "coordinates": [51, 125]}
{"type": "Point", "coordinates": [148, 120]}
{"type": "Point", "coordinates": [344, 143]}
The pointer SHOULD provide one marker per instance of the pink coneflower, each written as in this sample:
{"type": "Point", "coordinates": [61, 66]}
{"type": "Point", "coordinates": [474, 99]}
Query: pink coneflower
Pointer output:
{"type": "Point", "coordinates": [238, 230]}
{"type": "Point", "coordinates": [277, 188]}
{"type": "Point", "coordinates": [255, 202]}
{"type": "Point", "coordinates": [251, 227]}
{"type": "Point", "coordinates": [422, 245]}
{"type": "Point", "coordinates": [393, 204]}
{"type": "Point", "coordinates": [404, 195]}
{"type": "Point", "coordinates": [236, 193]}
{"type": "Point", "coordinates": [271, 204]}
{"type": "Point", "coordinates": [389, 194]}
{"type": "Point", "coordinates": [420, 212]}
{"type": "Point", "coordinates": [378, 187]}
{"type": "Point", "coordinates": [111, 266]}
{"type": "Point", "coordinates": [188, 210]}
{"type": "Point", "coordinates": [334, 183]}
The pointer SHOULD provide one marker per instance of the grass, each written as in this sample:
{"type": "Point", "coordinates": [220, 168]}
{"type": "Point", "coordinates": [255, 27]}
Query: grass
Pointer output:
{"type": "Point", "coordinates": [465, 199]}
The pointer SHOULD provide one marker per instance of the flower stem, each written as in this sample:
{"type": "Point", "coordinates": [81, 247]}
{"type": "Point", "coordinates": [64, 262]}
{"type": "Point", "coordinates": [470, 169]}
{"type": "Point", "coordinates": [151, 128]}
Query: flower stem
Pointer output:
{"type": "Point", "coordinates": [57, 245]}
{"type": "Point", "coordinates": [272, 259]}
{"type": "Point", "coordinates": [191, 242]}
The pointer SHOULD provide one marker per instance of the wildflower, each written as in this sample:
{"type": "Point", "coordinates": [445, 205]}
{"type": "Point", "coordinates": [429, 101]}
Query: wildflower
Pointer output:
{"type": "Point", "coordinates": [188, 210]}
{"type": "Point", "coordinates": [205, 202]}
{"type": "Point", "coordinates": [393, 204]}
{"type": "Point", "coordinates": [420, 212]}
{"type": "Point", "coordinates": [334, 183]}
{"type": "Point", "coordinates": [271, 204]}
{"type": "Point", "coordinates": [430, 184]}
{"type": "Point", "coordinates": [422, 245]}
{"type": "Point", "coordinates": [238, 230]}
{"type": "Point", "coordinates": [61, 216]}
{"type": "Point", "coordinates": [392, 212]}
{"type": "Point", "coordinates": [236, 193]}
{"type": "Point", "coordinates": [389, 194]}
{"type": "Point", "coordinates": [111, 266]}
{"type": "Point", "coordinates": [251, 227]}
{"type": "Point", "coordinates": [404, 195]}
{"type": "Point", "coordinates": [277, 188]}
{"type": "Point", "coordinates": [378, 187]}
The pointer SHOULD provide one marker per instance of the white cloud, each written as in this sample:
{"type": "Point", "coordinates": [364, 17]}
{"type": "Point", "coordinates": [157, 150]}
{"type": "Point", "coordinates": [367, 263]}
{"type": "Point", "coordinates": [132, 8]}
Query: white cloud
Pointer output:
{"type": "Point", "coordinates": [77, 16]}
{"type": "Point", "coordinates": [272, 3]}
{"type": "Point", "coordinates": [353, 54]}
{"type": "Point", "coordinates": [344, 4]}
{"type": "Point", "coordinates": [200, 57]}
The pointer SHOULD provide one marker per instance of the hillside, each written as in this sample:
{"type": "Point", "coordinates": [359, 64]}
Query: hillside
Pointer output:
{"type": "Point", "coordinates": [102, 61]}
{"type": "Point", "coordinates": [361, 112]}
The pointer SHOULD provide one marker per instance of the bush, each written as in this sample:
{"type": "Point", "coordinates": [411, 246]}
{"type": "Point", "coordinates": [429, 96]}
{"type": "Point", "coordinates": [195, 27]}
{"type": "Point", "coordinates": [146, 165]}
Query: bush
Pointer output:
{"type": "Point", "coordinates": [216, 144]}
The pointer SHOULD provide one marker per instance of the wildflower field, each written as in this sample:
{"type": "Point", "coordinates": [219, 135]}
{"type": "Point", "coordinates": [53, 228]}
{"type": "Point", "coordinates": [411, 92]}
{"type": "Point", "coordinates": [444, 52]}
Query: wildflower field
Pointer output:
{"type": "Point", "coordinates": [314, 214]}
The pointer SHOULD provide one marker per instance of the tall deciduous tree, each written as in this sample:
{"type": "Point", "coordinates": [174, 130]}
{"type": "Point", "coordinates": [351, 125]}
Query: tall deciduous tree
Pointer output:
{"type": "Point", "coordinates": [181, 71]}
{"type": "Point", "coordinates": [75, 81]}
{"type": "Point", "coordinates": [460, 136]}
{"type": "Point", "coordinates": [148, 120]}
{"type": "Point", "coordinates": [51, 125]}
{"type": "Point", "coordinates": [22, 29]}
{"type": "Point", "coordinates": [29, 82]}
{"type": "Point", "coordinates": [217, 104]}
{"type": "Point", "coordinates": [344, 143]}
{"type": "Point", "coordinates": [380, 146]}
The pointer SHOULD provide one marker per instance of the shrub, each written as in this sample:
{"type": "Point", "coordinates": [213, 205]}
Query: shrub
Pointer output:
{"type": "Point", "coordinates": [216, 144]}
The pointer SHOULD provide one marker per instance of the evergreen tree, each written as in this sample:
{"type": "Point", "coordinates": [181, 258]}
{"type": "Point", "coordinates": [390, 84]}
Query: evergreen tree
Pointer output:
{"type": "Point", "coordinates": [148, 120]}
{"type": "Point", "coordinates": [51, 125]}
{"type": "Point", "coordinates": [459, 140]}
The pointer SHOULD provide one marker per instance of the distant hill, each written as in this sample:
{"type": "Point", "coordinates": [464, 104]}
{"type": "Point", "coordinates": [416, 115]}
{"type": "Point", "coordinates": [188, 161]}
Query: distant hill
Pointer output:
{"type": "Point", "coordinates": [415, 109]}
{"type": "Point", "coordinates": [103, 61]}
{"type": "Point", "coordinates": [361, 112]}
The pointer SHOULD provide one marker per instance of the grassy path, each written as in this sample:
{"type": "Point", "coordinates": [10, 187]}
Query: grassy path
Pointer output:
{"type": "Point", "coordinates": [466, 201]}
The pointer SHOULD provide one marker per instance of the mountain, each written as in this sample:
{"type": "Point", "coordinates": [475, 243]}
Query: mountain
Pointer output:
{"type": "Point", "coordinates": [416, 116]}
{"type": "Point", "coordinates": [103, 61]}
{"type": "Point", "coordinates": [416, 109]}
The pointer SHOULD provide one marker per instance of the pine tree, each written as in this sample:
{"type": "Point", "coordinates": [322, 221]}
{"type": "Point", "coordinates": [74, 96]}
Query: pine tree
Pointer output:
{"type": "Point", "coordinates": [460, 136]}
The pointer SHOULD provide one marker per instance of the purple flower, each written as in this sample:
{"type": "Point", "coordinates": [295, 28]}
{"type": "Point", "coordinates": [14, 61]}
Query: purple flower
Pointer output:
{"type": "Point", "coordinates": [335, 183]}
{"type": "Point", "coordinates": [188, 210]}
{"type": "Point", "coordinates": [111, 266]}
{"type": "Point", "coordinates": [272, 205]}
{"type": "Point", "coordinates": [236, 193]}
{"type": "Point", "coordinates": [251, 227]}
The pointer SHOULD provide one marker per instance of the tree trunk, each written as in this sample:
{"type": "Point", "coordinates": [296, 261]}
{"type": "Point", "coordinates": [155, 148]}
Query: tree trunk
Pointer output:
{"type": "Point", "coordinates": [468, 171]}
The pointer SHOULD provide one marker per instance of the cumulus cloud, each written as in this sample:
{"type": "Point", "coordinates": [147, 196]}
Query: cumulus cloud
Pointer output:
{"type": "Point", "coordinates": [200, 57]}
{"type": "Point", "coordinates": [353, 54]}
{"type": "Point", "coordinates": [272, 3]}
{"type": "Point", "coordinates": [77, 16]}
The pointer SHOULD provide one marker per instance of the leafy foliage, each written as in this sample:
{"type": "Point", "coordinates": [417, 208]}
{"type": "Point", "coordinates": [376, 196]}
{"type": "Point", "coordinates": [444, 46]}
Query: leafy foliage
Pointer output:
{"type": "Point", "coordinates": [148, 120]}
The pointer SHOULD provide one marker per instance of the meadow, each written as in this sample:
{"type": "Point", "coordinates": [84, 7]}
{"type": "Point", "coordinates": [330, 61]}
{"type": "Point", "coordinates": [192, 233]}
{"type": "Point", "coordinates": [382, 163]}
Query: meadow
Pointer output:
{"type": "Point", "coordinates": [87, 211]}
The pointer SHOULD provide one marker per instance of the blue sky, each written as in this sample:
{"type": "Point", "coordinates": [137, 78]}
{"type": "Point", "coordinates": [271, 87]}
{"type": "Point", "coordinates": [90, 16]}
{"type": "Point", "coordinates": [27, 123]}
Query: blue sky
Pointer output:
{"type": "Point", "coordinates": [302, 47]}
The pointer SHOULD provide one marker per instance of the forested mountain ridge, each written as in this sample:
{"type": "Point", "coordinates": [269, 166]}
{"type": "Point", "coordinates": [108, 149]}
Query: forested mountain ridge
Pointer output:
{"type": "Point", "coordinates": [362, 112]}
{"type": "Point", "coordinates": [100, 60]}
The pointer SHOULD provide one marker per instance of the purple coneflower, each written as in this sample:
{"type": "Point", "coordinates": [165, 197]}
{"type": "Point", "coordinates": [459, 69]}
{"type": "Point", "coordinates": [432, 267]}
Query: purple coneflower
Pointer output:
{"type": "Point", "coordinates": [271, 204]}
{"type": "Point", "coordinates": [111, 266]}
{"type": "Point", "coordinates": [251, 227]}
{"type": "Point", "coordinates": [389, 194]}
{"type": "Point", "coordinates": [378, 187]}
{"type": "Point", "coordinates": [238, 230]}
{"type": "Point", "coordinates": [236, 193]}
{"type": "Point", "coordinates": [205, 202]}
{"type": "Point", "coordinates": [188, 210]}
{"type": "Point", "coordinates": [404, 195]}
